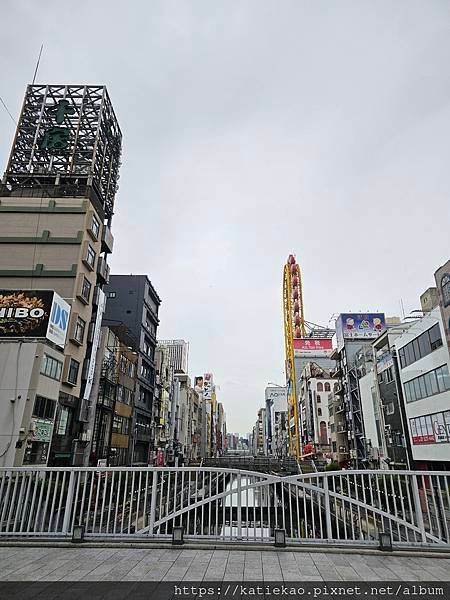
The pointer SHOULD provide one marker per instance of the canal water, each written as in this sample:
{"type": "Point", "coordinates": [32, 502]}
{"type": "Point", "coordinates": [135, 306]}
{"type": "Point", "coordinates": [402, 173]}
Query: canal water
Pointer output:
{"type": "Point", "coordinates": [251, 498]}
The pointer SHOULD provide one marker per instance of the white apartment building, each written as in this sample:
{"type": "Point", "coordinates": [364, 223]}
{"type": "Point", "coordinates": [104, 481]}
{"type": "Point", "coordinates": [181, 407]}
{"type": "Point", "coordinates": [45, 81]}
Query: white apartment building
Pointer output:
{"type": "Point", "coordinates": [178, 351]}
{"type": "Point", "coordinates": [316, 386]}
{"type": "Point", "coordinates": [424, 365]}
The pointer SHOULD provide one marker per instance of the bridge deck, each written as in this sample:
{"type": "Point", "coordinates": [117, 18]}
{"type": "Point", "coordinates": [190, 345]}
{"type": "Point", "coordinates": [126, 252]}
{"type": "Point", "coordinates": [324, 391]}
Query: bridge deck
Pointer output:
{"type": "Point", "coordinates": [133, 564]}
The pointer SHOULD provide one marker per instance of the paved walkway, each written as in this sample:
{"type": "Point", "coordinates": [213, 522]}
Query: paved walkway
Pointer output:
{"type": "Point", "coordinates": [135, 564]}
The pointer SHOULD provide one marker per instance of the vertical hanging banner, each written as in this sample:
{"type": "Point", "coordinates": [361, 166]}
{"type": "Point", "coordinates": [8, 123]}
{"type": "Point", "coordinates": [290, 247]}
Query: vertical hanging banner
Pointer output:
{"type": "Point", "coordinates": [95, 340]}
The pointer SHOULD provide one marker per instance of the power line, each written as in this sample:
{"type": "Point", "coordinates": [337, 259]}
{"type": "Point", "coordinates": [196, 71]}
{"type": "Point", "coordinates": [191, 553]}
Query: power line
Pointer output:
{"type": "Point", "coordinates": [7, 110]}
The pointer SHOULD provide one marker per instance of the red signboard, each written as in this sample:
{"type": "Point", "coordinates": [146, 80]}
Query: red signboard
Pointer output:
{"type": "Point", "coordinates": [423, 439]}
{"type": "Point", "coordinates": [312, 347]}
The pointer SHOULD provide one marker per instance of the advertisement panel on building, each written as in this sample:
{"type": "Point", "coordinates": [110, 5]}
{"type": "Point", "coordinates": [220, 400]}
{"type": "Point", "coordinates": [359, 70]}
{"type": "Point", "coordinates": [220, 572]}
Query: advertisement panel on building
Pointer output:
{"type": "Point", "coordinates": [311, 347]}
{"type": "Point", "coordinates": [34, 314]}
{"type": "Point", "coordinates": [95, 341]}
{"type": "Point", "coordinates": [58, 323]}
{"type": "Point", "coordinates": [384, 362]}
{"type": "Point", "coordinates": [198, 384]}
{"type": "Point", "coordinates": [430, 429]}
{"type": "Point", "coordinates": [274, 394]}
{"type": "Point", "coordinates": [208, 386]}
{"type": "Point", "coordinates": [359, 326]}
{"type": "Point", "coordinates": [42, 431]}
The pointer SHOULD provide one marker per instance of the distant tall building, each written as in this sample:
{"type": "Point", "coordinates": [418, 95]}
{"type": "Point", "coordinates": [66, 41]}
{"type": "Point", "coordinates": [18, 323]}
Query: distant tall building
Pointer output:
{"type": "Point", "coordinates": [178, 353]}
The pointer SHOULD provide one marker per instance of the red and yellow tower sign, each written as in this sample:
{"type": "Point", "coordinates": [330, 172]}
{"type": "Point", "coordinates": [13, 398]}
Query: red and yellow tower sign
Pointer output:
{"type": "Point", "coordinates": [294, 328]}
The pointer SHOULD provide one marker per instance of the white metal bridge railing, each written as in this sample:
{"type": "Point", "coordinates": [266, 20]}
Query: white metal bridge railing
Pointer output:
{"type": "Point", "coordinates": [342, 507]}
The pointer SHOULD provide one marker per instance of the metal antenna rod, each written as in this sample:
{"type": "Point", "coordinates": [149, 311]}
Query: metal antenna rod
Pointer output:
{"type": "Point", "coordinates": [37, 64]}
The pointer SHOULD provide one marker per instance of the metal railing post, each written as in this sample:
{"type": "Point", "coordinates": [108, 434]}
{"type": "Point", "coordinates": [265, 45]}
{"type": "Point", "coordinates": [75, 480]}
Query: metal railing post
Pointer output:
{"type": "Point", "coordinates": [418, 508]}
{"type": "Point", "coordinates": [239, 508]}
{"type": "Point", "coordinates": [327, 507]}
{"type": "Point", "coordinates": [68, 506]}
{"type": "Point", "coordinates": [151, 524]}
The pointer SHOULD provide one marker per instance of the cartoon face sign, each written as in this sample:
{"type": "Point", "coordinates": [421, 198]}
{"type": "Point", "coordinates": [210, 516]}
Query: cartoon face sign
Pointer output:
{"type": "Point", "coordinates": [377, 323]}
{"type": "Point", "coordinates": [350, 324]}
{"type": "Point", "coordinates": [364, 324]}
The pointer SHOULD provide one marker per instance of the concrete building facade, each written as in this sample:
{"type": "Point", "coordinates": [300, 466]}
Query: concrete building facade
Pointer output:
{"type": "Point", "coordinates": [424, 365]}
{"type": "Point", "coordinates": [133, 302]}
{"type": "Point", "coordinates": [56, 206]}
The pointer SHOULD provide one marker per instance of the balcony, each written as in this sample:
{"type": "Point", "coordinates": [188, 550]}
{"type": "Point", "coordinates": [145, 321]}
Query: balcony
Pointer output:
{"type": "Point", "coordinates": [107, 240]}
{"type": "Point", "coordinates": [102, 270]}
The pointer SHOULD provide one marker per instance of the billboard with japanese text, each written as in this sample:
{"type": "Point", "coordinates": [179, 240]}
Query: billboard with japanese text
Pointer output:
{"type": "Point", "coordinates": [359, 326]}
{"type": "Point", "coordinates": [311, 347]}
{"type": "Point", "coordinates": [208, 386]}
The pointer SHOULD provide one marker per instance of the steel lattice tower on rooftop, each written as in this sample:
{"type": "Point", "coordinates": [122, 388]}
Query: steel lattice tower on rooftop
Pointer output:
{"type": "Point", "coordinates": [67, 143]}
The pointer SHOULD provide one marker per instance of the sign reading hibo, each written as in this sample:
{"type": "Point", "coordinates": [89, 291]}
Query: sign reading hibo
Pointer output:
{"type": "Point", "coordinates": [34, 314]}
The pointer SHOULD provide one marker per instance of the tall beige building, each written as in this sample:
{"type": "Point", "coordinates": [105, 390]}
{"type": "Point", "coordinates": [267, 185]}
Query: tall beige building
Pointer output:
{"type": "Point", "coordinates": [56, 206]}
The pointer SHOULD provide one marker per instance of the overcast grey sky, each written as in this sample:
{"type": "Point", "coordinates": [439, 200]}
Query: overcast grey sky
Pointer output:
{"type": "Point", "coordinates": [253, 129]}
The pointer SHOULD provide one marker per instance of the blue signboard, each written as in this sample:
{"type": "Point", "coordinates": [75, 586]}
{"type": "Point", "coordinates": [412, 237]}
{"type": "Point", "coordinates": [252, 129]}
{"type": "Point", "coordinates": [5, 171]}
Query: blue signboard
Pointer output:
{"type": "Point", "coordinates": [356, 326]}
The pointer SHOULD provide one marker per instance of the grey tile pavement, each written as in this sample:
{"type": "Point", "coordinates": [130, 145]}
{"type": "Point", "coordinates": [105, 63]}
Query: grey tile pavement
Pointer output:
{"type": "Point", "coordinates": [140, 564]}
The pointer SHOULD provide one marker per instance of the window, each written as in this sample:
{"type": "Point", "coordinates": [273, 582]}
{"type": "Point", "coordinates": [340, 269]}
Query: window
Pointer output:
{"type": "Point", "coordinates": [401, 355]}
{"type": "Point", "coordinates": [320, 387]}
{"type": "Point", "coordinates": [121, 425]}
{"type": "Point", "coordinates": [44, 408]}
{"type": "Point", "coordinates": [149, 323]}
{"type": "Point", "coordinates": [416, 385]}
{"type": "Point", "coordinates": [90, 256]}
{"type": "Point", "coordinates": [72, 374]}
{"type": "Point", "coordinates": [148, 348]}
{"type": "Point", "coordinates": [428, 384]}
{"type": "Point", "coordinates": [80, 327]}
{"type": "Point", "coordinates": [318, 399]}
{"type": "Point", "coordinates": [319, 412]}
{"type": "Point", "coordinates": [86, 289]}
{"type": "Point", "coordinates": [445, 288]}
{"type": "Point", "coordinates": [147, 372]}
{"type": "Point", "coordinates": [443, 379]}
{"type": "Point", "coordinates": [431, 383]}
{"type": "Point", "coordinates": [435, 337]}
{"type": "Point", "coordinates": [51, 367]}
{"type": "Point", "coordinates": [390, 408]}
{"type": "Point", "coordinates": [63, 420]}
{"type": "Point", "coordinates": [423, 391]}
{"type": "Point", "coordinates": [423, 345]}
{"type": "Point", "coordinates": [327, 387]}
{"type": "Point", "coordinates": [416, 349]}
{"type": "Point", "coordinates": [408, 391]}
{"type": "Point", "coordinates": [380, 377]}
{"type": "Point", "coordinates": [112, 295]}
{"type": "Point", "coordinates": [95, 226]}
{"type": "Point", "coordinates": [389, 375]}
